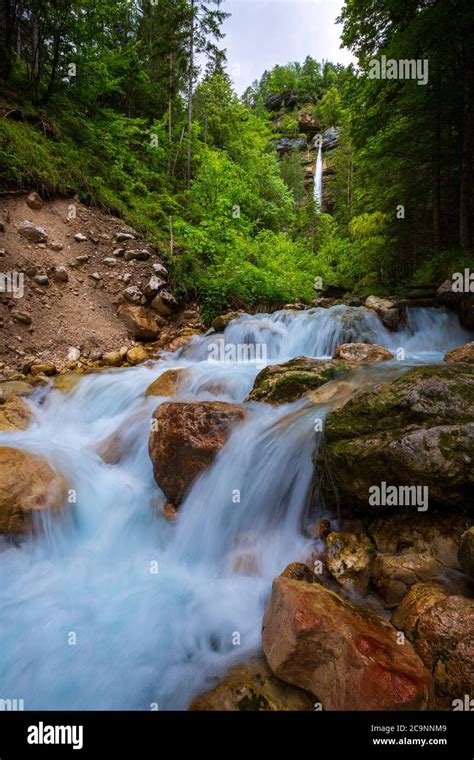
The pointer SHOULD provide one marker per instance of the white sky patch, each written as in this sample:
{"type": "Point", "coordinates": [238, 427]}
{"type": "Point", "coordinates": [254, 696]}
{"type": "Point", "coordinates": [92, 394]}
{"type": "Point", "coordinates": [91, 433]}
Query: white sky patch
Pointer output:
{"type": "Point", "coordinates": [263, 33]}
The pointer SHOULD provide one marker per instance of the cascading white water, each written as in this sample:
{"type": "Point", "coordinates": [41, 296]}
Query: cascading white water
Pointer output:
{"type": "Point", "coordinates": [147, 638]}
{"type": "Point", "coordinates": [318, 177]}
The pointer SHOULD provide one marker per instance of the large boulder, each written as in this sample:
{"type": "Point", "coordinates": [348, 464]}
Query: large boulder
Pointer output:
{"type": "Point", "coordinates": [15, 414]}
{"type": "Point", "coordinates": [394, 574]}
{"type": "Point", "coordinates": [416, 430]}
{"type": "Point", "coordinates": [28, 485]}
{"type": "Point", "coordinates": [463, 353]}
{"type": "Point", "coordinates": [185, 439]}
{"type": "Point", "coordinates": [460, 300]}
{"type": "Point", "coordinates": [142, 323]}
{"type": "Point", "coordinates": [281, 383]}
{"type": "Point", "coordinates": [221, 322]}
{"type": "Point", "coordinates": [390, 313]}
{"type": "Point", "coordinates": [362, 352]}
{"type": "Point", "coordinates": [167, 383]}
{"type": "Point", "coordinates": [11, 388]}
{"type": "Point", "coordinates": [438, 534]}
{"type": "Point", "coordinates": [344, 654]}
{"type": "Point", "coordinates": [441, 627]}
{"type": "Point", "coordinates": [252, 686]}
{"type": "Point", "coordinates": [115, 447]}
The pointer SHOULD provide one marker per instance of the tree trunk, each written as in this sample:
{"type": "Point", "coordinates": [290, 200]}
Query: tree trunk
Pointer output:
{"type": "Point", "coordinates": [18, 38]}
{"type": "Point", "coordinates": [465, 198]}
{"type": "Point", "coordinates": [54, 68]}
{"type": "Point", "coordinates": [170, 107]}
{"type": "Point", "coordinates": [190, 95]}
{"type": "Point", "coordinates": [436, 177]}
{"type": "Point", "coordinates": [7, 19]}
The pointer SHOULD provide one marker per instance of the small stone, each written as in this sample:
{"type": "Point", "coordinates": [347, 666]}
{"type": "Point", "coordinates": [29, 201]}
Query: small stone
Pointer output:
{"type": "Point", "coordinates": [164, 303]}
{"type": "Point", "coordinates": [96, 276]}
{"type": "Point", "coordinates": [21, 316]}
{"type": "Point", "coordinates": [112, 359]}
{"type": "Point", "coordinates": [110, 262]}
{"type": "Point", "coordinates": [126, 277]}
{"type": "Point", "coordinates": [82, 259]}
{"type": "Point", "coordinates": [34, 201]}
{"type": "Point", "coordinates": [134, 295]}
{"type": "Point", "coordinates": [137, 355]}
{"type": "Point", "coordinates": [170, 511]}
{"type": "Point", "coordinates": [60, 274]}
{"type": "Point", "coordinates": [121, 237]}
{"type": "Point", "coordinates": [56, 246]}
{"type": "Point", "coordinates": [43, 368]}
{"type": "Point", "coordinates": [41, 279]}
{"type": "Point", "coordinates": [73, 355]}
{"type": "Point", "coordinates": [35, 234]}
{"type": "Point", "coordinates": [119, 252]}
{"type": "Point", "coordinates": [160, 270]}
{"type": "Point", "coordinates": [154, 285]}
{"type": "Point", "coordinates": [80, 238]}
{"type": "Point", "coordinates": [138, 255]}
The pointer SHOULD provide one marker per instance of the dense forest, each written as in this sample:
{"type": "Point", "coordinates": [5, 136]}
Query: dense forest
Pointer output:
{"type": "Point", "coordinates": [129, 105]}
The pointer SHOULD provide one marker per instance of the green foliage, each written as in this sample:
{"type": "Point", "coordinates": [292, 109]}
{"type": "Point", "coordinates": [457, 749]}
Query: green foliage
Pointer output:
{"type": "Point", "coordinates": [441, 267]}
{"type": "Point", "coordinates": [329, 108]}
{"type": "Point", "coordinates": [293, 173]}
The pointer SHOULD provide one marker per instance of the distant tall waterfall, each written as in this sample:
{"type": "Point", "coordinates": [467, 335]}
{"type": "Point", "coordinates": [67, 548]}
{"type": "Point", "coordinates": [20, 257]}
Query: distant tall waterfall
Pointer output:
{"type": "Point", "coordinates": [318, 177]}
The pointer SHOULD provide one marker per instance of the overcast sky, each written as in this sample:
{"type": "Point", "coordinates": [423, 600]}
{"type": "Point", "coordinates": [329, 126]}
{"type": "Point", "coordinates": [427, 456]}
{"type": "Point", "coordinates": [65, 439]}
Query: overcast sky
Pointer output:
{"type": "Point", "coordinates": [262, 33]}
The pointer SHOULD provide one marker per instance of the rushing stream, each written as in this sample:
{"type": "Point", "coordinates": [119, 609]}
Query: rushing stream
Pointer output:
{"type": "Point", "coordinates": [159, 634]}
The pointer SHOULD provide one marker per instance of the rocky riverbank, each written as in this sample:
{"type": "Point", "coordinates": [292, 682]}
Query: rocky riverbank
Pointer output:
{"type": "Point", "coordinates": [377, 609]}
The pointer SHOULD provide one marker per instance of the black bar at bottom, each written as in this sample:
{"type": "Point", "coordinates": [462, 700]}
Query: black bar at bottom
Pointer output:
{"type": "Point", "coordinates": [377, 734]}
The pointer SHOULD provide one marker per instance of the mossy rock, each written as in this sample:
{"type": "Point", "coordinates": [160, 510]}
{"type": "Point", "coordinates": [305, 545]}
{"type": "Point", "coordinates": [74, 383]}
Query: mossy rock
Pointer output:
{"type": "Point", "coordinates": [282, 383]}
{"type": "Point", "coordinates": [418, 430]}
{"type": "Point", "coordinates": [253, 687]}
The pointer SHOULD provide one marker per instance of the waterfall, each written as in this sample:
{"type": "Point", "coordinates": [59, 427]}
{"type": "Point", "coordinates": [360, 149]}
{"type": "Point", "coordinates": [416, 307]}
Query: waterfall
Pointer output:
{"type": "Point", "coordinates": [144, 638]}
{"type": "Point", "coordinates": [318, 177]}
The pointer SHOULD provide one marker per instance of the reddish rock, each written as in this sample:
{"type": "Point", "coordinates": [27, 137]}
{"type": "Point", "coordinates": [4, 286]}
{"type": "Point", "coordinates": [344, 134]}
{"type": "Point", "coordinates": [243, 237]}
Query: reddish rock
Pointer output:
{"type": "Point", "coordinates": [184, 440]}
{"type": "Point", "coordinates": [441, 627]}
{"type": "Point", "coordinates": [346, 655]}
{"type": "Point", "coordinates": [463, 353]}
